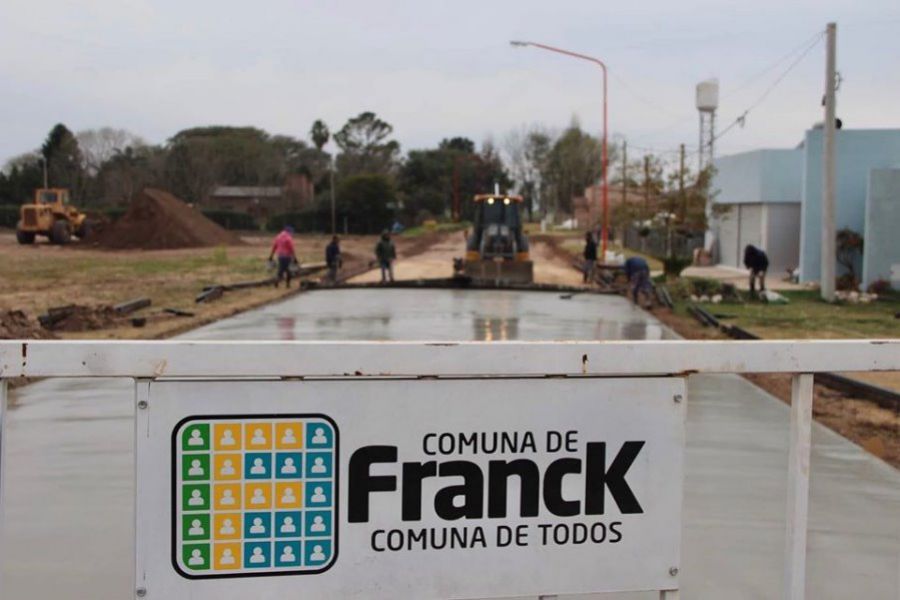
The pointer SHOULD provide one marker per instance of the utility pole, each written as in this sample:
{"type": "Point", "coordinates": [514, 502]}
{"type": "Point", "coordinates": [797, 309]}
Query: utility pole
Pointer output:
{"type": "Point", "coordinates": [646, 186]}
{"type": "Point", "coordinates": [331, 186]}
{"type": "Point", "coordinates": [681, 184]}
{"type": "Point", "coordinates": [826, 271]}
{"type": "Point", "coordinates": [625, 173]}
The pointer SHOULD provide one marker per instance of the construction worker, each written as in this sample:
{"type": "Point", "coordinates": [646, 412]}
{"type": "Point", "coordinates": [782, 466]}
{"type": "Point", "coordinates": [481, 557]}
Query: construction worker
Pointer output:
{"type": "Point", "coordinates": [638, 273]}
{"type": "Point", "coordinates": [590, 256]}
{"type": "Point", "coordinates": [283, 246]}
{"type": "Point", "coordinates": [386, 254]}
{"type": "Point", "coordinates": [756, 260]}
{"type": "Point", "coordinates": [333, 258]}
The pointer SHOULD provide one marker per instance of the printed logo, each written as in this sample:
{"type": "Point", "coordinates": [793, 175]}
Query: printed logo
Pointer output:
{"type": "Point", "coordinates": [254, 495]}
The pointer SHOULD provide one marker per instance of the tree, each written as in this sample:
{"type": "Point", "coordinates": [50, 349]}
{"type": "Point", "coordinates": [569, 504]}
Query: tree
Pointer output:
{"type": "Point", "coordinates": [572, 164]}
{"type": "Point", "coordinates": [201, 158]}
{"type": "Point", "coordinates": [366, 202]}
{"type": "Point", "coordinates": [425, 180]}
{"type": "Point", "coordinates": [429, 178]}
{"type": "Point", "coordinates": [527, 150]}
{"type": "Point", "coordinates": [319, 134]}
{"type": "Point", "coordinates": [128, 171]}
{"type": "Point", "coordinates": [20, 177]}
{"type": "Point", "coordinates": [298, 157]}
{"type": "Point", "coordinates": [459, 144]}
{"type": "Point", "coordinates": [99, 145]}
{"type": "Point", "coordinates": [365, 147]}
{"type": "Point", "coordinates": [64, 161]}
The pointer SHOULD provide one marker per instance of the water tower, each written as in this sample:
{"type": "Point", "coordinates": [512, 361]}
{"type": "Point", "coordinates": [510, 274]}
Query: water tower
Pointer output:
{"type": "Point", "coordinates": [707, 103]}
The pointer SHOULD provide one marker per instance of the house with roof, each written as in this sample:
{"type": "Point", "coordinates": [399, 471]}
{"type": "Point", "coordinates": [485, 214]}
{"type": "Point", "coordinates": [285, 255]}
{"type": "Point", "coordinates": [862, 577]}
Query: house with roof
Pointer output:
{"type": "Point", "coordinates": [262, 202]}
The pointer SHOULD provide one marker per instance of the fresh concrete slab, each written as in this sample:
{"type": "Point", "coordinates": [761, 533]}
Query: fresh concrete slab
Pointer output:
{"type": "Point", "coordinates": [70, 464]}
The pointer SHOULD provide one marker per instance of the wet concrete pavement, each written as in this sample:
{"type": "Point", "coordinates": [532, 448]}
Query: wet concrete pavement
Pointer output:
{"type": "Point", "coordinates": [69, 481]}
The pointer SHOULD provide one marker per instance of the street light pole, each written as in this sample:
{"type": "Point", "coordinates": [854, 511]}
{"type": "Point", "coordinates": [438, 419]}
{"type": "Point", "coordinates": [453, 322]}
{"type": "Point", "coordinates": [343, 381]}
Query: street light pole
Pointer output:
{"type": "Point", "coordinates": [604, 163]}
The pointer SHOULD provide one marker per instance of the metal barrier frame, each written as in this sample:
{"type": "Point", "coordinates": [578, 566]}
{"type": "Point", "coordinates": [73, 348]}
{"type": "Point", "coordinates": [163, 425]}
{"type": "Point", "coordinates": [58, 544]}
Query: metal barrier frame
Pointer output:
{"type": "Point", "coordinates": [142, 360]}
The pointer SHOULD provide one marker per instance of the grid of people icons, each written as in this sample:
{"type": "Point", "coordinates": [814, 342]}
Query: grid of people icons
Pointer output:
{"type": "Point", "coordinates": [254, 496]}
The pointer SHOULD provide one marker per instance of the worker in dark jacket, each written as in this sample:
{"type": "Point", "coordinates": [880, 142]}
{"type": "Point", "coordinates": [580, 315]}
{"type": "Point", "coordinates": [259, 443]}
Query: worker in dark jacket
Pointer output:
{"type": "Point", "coordinates": [590, 256]}
{"type": "Point", "coordinates": [333, 258]}
{"type": "Point", "coordinates": [758, 263]}
{"type": "Point", "coordinates": [638, 273]}
{"type": "Point", "coordinates": [386, 254]}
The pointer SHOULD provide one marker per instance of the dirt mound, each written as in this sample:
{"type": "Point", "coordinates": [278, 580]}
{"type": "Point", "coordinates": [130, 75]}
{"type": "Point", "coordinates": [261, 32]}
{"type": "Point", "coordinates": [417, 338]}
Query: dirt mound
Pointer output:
{"type": "Point", "coordinates": [158, 220]}
{"type": "Point", "coordinates": [77, 317]}
{"type": "Point", "coordinates": [15, 325]}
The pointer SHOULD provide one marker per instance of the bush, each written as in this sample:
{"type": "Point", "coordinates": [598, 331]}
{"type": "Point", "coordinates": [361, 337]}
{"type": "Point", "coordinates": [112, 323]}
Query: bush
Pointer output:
{"type": "Point", "coordinates": [114, 214]}
{"type": "Point", "coordinates": [847, 283]}
{"type": "Point", "coordinates": [674, 265]}
{"type": "Point", "coordinates": [880, 287]}
{"type": "Point", "coordinates": [9, 215]}
{"type": "Point", "coordinates": [230, 219]}
{"type": "Point", "coordinates": [310, 220]}
{"type": "Point", "coordinates": [362, 204]}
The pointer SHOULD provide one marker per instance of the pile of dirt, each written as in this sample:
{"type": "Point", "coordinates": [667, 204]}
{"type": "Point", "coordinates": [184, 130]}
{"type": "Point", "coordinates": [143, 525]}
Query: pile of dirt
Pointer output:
{"type": "Point", "coordinates": [15, 325]}
{"type": "Point", "coordinates": [77, 317]}
{"type": "Point", "coordinates": [158, 220]}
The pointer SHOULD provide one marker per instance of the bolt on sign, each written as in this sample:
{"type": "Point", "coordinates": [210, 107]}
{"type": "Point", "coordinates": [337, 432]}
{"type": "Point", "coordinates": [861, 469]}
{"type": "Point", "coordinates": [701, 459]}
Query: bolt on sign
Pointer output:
{"type": "Point", "coordinates": [467, 488]}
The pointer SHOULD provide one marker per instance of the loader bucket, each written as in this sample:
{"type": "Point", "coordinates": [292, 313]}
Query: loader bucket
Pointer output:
{"type": "Point", "coordinates": [500, 272]}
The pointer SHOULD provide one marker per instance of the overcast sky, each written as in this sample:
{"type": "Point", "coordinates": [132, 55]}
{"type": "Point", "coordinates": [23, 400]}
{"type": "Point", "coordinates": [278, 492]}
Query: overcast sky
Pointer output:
{"type": "Point", "coordinates": [437, 69]}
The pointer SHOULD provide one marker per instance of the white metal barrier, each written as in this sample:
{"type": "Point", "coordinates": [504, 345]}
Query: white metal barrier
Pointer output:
{"type": "Point", "coordinates": [356, 361]}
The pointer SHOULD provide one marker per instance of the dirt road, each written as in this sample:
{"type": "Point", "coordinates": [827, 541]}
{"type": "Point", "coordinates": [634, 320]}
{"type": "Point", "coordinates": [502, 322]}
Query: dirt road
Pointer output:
{"type": "Point", "coordinates": [35, 278]}
{"type": "Point", "coordinates": [436, 261]}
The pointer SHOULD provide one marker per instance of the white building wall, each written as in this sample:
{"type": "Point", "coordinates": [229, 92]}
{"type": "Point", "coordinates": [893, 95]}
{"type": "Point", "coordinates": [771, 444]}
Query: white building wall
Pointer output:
{"type": "Point", "coordinates": [782, 232]}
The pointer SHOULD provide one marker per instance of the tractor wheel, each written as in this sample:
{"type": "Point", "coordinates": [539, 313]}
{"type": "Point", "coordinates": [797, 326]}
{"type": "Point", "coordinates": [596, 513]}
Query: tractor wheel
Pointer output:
{"type": "Point", "coordinates": [24, 237]}
{"type": "Point", "coordinates": [84, 230]}
{"type": "Point", "coordinates": [60, 233]}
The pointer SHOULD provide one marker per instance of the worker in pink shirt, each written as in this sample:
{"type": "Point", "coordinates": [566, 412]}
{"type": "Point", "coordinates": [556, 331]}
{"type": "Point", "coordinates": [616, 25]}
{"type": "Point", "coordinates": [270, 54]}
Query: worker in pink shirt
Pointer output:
{"type": "Point", "coordinates": [283, 246]}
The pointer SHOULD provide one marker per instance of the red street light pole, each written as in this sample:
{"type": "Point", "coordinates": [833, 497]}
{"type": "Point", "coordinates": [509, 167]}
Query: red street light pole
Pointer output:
{"type": "Point", "coordinates": [605, 206]}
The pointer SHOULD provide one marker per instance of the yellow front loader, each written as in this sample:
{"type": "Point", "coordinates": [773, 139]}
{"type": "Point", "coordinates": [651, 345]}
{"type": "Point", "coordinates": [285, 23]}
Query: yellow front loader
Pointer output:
{"type": "Point", "coordinates": [52, 216]}
{"type": "Point", "coordinates": [497, 249]}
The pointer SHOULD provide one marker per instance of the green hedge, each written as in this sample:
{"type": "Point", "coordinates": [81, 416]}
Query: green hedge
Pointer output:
{"type": "Point", "coordinates": [231, 220]}
{"type": "Point", "coordinates": [114, 214]}
{"type": "Point", "coordinates": [307, 221]}
{"type": "Point", "coordinates": [318, 220]}
{"type": "Point", "coordinates": [9, 215]}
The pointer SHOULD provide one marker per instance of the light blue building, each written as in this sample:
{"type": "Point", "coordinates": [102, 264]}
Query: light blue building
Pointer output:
{"type": "Point", "coordinates": [759, 193]}
{"type": "Point", "coordinates": [772, 200]}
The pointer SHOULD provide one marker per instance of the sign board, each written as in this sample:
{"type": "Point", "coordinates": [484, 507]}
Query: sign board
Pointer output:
{"type": "Point", "coordinates": [468, 488]}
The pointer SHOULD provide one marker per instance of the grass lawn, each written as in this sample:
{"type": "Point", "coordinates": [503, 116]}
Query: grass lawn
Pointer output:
{"type": "Point", "coordinates": [807, 316]}
{"type": "Point", "coordinates": [35, 278]}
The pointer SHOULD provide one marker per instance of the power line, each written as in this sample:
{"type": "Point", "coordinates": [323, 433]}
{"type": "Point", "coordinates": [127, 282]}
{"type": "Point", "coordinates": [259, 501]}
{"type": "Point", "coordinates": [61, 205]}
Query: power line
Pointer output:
{"type": "Point", "coordinates": [758, 75]}
{"type": "Point", "coordinates": [803, 49]}
{"type": "Point", "coordinates": [741, 119]}
{"type": "Point", "coordinates": [638, 96]}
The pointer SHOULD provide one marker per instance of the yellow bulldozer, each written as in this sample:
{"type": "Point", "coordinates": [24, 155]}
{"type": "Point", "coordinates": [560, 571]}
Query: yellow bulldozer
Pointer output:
{"type": "Point", "coordinates": [497, 249]}
{"type": "Point", "coordinates": [51, 215]}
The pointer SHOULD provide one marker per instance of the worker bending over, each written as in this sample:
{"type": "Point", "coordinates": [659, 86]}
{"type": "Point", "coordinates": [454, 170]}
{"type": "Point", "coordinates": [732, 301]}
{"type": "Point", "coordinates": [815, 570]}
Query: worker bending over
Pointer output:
{"type": "Point", "coordinates": [638, 273]}
{"type": "Point", "coordinates": [758, 263]}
